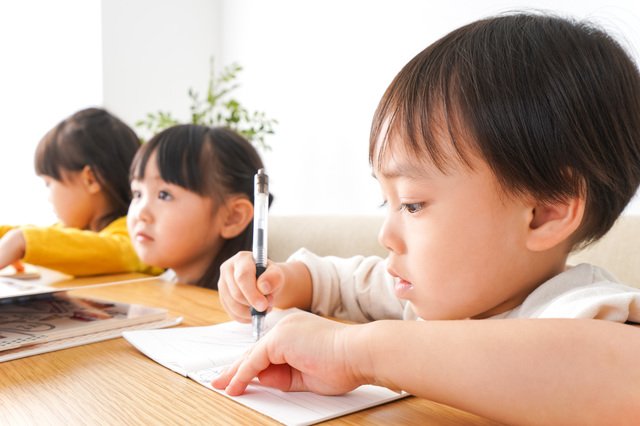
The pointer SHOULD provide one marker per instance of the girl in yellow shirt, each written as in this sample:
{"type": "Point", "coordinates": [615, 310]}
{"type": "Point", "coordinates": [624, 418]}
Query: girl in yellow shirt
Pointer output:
{"type": "Point", "coordinates": [84, 161]}
{"type": "Point", "coordinates": [192, 205]}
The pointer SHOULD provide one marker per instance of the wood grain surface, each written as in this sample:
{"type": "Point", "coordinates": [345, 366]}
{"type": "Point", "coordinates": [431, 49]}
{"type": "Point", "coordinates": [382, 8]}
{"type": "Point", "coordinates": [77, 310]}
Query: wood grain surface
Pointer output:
{"type": "Point", "coordinates": [112, 383]}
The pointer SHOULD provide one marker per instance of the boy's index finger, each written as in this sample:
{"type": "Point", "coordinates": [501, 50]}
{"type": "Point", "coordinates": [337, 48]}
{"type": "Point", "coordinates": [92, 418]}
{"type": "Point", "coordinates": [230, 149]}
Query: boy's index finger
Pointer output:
{"type": "Point", "coordinates": [227, 373]}
{"type": "Point", "coordinates": [247, 369]}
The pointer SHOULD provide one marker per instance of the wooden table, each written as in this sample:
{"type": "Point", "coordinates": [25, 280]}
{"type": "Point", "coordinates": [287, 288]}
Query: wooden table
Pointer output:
{"type": "Point", "coordinates": [112, 383]}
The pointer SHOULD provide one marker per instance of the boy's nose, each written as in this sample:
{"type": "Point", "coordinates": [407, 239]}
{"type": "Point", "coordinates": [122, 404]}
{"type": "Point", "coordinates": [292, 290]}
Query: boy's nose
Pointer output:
{"type": "Point", "coordinates": [389, 236]}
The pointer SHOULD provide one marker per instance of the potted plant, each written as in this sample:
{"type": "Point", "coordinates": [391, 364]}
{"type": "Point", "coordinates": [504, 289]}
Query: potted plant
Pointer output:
{"type": "Point", "coordinates": [218, 108]}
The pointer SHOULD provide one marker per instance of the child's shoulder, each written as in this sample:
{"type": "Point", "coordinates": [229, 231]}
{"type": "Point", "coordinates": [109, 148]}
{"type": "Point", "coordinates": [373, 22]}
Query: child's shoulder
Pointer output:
{"type": "Point", "coordinates": [117, 224]}
{"type": "Point", "coordinates": [581, 291]}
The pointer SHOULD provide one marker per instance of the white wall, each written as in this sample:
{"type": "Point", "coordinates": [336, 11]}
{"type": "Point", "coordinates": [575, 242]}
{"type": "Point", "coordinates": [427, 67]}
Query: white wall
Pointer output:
{"type": "Point", "coordinates": [51, 67]}
{"type": "Point", "coordinates": [318, 67]}
{"type": "Point", "coordinates": [321, 68]}
{"type": "Point", "coordinates": [154, 51]}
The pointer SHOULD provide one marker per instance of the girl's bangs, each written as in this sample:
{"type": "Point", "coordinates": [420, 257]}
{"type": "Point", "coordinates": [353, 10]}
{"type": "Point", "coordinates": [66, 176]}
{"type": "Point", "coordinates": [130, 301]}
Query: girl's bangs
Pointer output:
{"type": "Point", "coordinates": [178, 154]}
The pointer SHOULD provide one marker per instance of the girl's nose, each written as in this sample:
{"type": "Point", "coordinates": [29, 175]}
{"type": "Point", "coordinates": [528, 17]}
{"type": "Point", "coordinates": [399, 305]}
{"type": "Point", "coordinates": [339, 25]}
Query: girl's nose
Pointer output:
{"type": "Point", "coordinates": [140, 210]}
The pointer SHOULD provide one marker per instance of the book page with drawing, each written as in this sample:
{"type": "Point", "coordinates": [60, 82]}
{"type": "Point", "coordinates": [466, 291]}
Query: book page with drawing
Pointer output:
{"type": "Point", "coordinates": [61, 321]}
{"type": "Point", "coordinates": [200, 353]}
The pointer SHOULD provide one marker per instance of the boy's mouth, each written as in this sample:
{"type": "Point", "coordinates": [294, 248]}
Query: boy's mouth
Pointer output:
{"type": "Point", "coordinates": [402, 286]}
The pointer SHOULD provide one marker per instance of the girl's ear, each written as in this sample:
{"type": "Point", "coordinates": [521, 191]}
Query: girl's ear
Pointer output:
{"type": "Point", "coordinates": [552, 224]}
{"type": "Point", "coordinates": [239, 215]}
{"type": "Point", "coordinates": [90, 181]}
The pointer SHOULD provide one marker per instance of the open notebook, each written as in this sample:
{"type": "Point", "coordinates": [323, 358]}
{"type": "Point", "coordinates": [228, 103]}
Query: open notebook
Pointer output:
{"type": "Point", "coordinates": [201, 352]}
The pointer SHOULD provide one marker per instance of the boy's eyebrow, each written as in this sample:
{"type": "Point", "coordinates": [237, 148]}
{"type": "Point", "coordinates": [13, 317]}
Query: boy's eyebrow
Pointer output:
{"type": "Point", "coordinates": [405, 169]}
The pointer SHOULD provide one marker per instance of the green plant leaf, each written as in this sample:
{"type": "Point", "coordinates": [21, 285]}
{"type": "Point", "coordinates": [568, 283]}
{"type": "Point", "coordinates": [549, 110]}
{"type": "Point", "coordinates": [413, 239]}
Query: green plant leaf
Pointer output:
{"type": "Point", "coordinates": [218, 109]}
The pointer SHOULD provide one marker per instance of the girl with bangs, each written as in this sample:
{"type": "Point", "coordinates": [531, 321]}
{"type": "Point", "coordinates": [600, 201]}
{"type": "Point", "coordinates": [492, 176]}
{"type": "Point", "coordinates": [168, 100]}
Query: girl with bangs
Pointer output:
{"type": "Point", "coordinates": [84, 162]}
{"type": "Point", "coordinates": [192, 205]}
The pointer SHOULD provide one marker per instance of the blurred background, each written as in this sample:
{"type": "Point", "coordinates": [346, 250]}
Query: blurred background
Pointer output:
{"type": "Point", "coordinates": [318, 67]}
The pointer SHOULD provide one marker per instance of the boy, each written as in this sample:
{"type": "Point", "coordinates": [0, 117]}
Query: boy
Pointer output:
{"type": "Point", "coordinates": [499, 149]}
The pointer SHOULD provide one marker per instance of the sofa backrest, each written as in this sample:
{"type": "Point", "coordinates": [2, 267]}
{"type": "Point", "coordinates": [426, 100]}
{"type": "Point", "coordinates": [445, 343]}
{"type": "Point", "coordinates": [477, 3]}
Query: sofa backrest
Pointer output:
{"type": "Point", "coordinates": [342, 236]}
{"type": "Point", "coordinates": [618, 251]}
{"type": "Point", "coordinates": [345, 236]}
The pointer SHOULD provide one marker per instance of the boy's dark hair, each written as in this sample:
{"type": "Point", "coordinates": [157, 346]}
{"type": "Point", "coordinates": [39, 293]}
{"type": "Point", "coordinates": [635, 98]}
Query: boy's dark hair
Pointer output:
{"type": "Point", "coordinates": [92, 137]}
{"type": "Point", "coordinates": [212, 162]}
{"type": "Point", "coordinates": [551, 104]}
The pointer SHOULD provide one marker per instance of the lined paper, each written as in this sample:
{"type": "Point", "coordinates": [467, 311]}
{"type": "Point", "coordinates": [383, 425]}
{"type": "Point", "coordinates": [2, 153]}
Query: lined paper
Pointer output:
{"type": "Point", "coordinates": [201, 352]}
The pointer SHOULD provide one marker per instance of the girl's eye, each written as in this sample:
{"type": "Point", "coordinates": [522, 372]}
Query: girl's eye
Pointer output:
{"type": "Point", "coordinates": [135, 193]}
{"type": "Point", "coordinates": [412, 208]}
{"type": "Point", "coordinates": [384, 204]}
{"type": "Point", "coordinates": [164, 195]}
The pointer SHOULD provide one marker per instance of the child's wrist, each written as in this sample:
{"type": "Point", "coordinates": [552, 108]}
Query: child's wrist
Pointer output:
{"type": "Point", "coordinates": [371, 351]}
{"type": "Point", "coordinates": [359, 347]}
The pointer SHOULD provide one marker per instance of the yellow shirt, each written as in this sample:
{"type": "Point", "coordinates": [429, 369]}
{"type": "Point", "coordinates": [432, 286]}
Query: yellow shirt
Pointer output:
{"type": "Point", "coordinates": [77, 252]}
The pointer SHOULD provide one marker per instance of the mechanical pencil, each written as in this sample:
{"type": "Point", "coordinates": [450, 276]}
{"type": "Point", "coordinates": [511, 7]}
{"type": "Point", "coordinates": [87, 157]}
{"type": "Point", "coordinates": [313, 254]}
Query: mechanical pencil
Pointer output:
{"type": "Point", "coordinates": [260, 215]}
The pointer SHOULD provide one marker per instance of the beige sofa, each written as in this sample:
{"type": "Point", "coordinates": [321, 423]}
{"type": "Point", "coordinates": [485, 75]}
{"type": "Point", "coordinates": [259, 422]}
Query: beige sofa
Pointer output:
{"type": "Point", "coordinates": [345, 236]}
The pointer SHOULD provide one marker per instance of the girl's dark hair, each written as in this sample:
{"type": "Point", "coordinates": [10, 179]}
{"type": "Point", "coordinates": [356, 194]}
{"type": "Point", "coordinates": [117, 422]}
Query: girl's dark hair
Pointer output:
{"type": "Point", "coordinates": [551, 104]}
{"type": "Point", "coordinates": [92, 137]}
{"type": "Point", "coordinates": [212, 162]}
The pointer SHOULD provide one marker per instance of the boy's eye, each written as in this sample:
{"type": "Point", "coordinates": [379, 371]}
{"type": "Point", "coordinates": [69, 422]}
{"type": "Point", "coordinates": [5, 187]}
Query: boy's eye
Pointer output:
{"type": "Point", "coordinates": [383, 204]}
{"type": "Point", "coordinates": [412, 208]}
{"type": "Point", "coordinates": [135, 193]}
{"type": "Point", "coordinates": [164, 195]}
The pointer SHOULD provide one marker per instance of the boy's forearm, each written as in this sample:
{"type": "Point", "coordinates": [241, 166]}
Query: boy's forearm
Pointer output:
{"type": "Point", "coordinates": [513, 371]}
{"type": "Point", "coordinates": [297, 289]}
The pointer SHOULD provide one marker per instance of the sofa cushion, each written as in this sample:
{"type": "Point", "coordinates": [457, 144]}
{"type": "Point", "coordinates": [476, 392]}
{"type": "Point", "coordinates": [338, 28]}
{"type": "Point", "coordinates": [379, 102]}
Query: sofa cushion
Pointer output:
{"type": "Point", "coordinates": [618, 251]}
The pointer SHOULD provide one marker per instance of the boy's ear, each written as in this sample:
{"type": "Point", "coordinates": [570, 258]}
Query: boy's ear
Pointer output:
{"type": "Point", "coordinates": [552, 224]}
{"type": "Point", "coordinates": [90, 181]}
{"type": "Point", "coordinates": [239, 214]}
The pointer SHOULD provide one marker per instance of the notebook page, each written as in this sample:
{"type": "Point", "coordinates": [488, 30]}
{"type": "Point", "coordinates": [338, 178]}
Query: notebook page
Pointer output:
{"type": "Point", "coordinates": [197, 348]}
{"type": "Point", "coordinates": [201, 352]}
{"type": "Point", "coordinates": [302, 408]}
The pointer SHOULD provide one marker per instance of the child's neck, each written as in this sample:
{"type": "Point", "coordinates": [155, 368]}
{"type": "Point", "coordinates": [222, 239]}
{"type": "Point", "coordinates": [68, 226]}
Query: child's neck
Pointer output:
{"type": "Point", "coordinates": [101, 215]}
{"type": "Point", "coordinates": [191, 272]}
{"type": "Point", "coordinates": [539, 270]}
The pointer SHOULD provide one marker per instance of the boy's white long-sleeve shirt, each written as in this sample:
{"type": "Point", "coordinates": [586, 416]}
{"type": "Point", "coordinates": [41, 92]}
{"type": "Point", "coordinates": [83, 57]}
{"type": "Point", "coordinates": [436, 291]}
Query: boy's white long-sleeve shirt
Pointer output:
{"type": "Point", "coordinates": [360, 289]}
